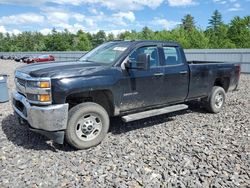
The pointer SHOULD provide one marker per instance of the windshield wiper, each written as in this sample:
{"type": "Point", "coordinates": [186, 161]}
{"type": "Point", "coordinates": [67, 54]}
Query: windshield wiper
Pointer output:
{"type": "Point", "coordinates": [86, 60]}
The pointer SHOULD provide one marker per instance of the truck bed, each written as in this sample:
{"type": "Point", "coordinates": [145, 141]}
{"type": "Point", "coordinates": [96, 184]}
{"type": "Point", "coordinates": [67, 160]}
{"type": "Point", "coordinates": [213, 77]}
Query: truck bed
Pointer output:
{"type": "Point", "coordinates": [208, 62]}
{"type": "Point", "coordinates": [204, 74]}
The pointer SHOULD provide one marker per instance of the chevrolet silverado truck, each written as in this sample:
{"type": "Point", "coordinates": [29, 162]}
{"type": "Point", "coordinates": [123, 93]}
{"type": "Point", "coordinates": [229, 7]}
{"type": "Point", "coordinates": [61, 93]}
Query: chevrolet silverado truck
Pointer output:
{"type": "Point", "coordinates": [73, 101]}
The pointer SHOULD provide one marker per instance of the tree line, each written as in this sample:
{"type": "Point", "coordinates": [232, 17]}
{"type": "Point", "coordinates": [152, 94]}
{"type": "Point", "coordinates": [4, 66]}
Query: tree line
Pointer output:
{"type": "Point", "coordinates": [236, 34]}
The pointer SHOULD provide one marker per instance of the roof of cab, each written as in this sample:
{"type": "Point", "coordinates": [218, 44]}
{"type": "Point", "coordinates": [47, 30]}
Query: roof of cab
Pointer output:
{"type": "Point", "coordinates": [171, 43]}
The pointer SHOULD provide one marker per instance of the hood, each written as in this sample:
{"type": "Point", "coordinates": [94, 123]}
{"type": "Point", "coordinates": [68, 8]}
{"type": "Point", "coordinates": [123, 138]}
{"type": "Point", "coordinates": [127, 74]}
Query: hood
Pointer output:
{"type": "Point", "coordinates": [61, 69]}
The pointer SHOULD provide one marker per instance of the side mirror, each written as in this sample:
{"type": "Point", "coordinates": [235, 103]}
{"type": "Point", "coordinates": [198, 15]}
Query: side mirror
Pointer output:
{"type": "Point", "coordinates": [128, 64]}
{"type": "Point", "coordinates": [143, 61]}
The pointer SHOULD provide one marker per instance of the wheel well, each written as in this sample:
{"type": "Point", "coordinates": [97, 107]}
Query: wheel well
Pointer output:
{"type": "Point", "coordinates": [222, 82]}
{"type": "Point", "coordinates": [101, 97]}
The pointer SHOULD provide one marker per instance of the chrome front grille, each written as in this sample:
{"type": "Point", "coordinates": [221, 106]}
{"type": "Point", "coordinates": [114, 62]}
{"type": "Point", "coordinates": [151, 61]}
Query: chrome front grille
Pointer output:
{"type": "Point", "coordinates": [21, 82]}
{"type": "Point", "coordinates": [20, 85]}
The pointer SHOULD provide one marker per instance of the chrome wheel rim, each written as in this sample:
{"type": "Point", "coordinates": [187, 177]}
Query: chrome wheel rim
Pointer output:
{"type": "Point", "coordinates": [219, 99]}
{"type": "Point", "coordinates": [88, 127]}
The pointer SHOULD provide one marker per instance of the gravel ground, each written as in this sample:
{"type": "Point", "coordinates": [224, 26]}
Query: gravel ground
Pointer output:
{"type": "Point", "coordinates": [191, 148]}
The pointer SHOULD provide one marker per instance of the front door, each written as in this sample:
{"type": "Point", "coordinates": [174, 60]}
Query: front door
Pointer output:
{"type": "Point", "coordinates": [143, 88]}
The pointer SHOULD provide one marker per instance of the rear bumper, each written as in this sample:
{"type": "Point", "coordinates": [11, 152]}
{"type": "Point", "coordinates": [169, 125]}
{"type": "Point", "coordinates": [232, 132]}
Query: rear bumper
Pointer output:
{"type": "Point", "coordinates": [50, 121]}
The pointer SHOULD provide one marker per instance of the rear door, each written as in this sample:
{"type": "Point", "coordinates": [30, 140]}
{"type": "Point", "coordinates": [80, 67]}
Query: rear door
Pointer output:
{"type": "Point", "coordinates": [143, 88]}
{"type": "Point", "coordinates": [176, 75]}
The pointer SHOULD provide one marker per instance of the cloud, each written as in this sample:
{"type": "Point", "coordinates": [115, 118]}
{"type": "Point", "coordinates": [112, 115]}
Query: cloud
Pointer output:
{"type": "Point", "coordinates": [62, 2]}
{"type": "Point", "coordinates": [175, 3]}
{"type": "Point", "coordinates": [2, 29]}
{"type": "Point", "coordinates": [56, 16]}
{"type": "Point", "coordinates": [122, 5]}
{"type": "Point", "coordinates": [224, 1]}
{"type": "Point", "coordinates": [23, 2]}
{"type": "Point", "coordinates": [130, 4]}
{"type": "Point", "coordinates": [14, 31]}
{"type": "Point", "coordinates": [45, 31]}
{"type": "Point", "coordinates": [90, 22]}
{"type": "Point", "coordinates": [74, 28]}
{"type": "Point", "coordinates": [93, 10]}
{"type": "Point", "coordinates": [165, 24]}
{"type": "Point", "coordinates": [78, 17]}
{"type": "Point", "coordinates": [25, 18]}
{"type": "Point", "coordinates": [108, 15]}
{"type": "Point", "coordinates": [59, 18]}
{"type": "Point", "coordinates": [50, 17]}
{"type": "Point", "coordinates": [125, 15]}
{"type": "Point", "coordinates": [236, 7]}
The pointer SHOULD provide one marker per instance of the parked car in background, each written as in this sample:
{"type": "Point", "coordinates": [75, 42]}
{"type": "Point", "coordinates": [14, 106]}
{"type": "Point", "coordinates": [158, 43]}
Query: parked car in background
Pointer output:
{"type": "Point", "coordinates": [12, 57]}
{"type": "Point", "coordinates": [24, 59]}
{"type": "Point", "coordinates": [17, 58]}
{"type": "Point", "coordinates": [30, 59]}
{"type": "Point", "coordinates": [42, 58]}
{"type": "Point", "coordinates": [5, 57]}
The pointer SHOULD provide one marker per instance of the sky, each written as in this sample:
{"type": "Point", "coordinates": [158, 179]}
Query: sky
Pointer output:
{"type": "Point", "coordinates": [111, 15]}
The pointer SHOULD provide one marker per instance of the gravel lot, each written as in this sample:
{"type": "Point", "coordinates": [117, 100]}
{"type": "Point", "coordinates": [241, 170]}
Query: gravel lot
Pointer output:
{"type": "Point", "coordinates": [191, 148]}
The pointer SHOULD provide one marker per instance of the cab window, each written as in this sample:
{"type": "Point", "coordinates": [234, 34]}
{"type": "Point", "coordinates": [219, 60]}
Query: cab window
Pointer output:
{"type": "Point", "coordinates": [151, 50]}
{"type": "Point", "coordinates": [172, 56]}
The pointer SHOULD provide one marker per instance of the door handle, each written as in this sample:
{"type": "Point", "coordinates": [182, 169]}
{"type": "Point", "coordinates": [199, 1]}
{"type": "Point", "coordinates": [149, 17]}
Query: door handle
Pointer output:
{"type": "Point", "coordinates": [159, 74]}
{"type": "Point", "coordinates": [183, 72]}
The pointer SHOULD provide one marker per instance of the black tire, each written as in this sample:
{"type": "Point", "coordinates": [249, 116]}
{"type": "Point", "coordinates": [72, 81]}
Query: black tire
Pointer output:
{"type": "Point", "coordinates": [82, 111]}
{"type": "Point", "coordinates": [213, 105]}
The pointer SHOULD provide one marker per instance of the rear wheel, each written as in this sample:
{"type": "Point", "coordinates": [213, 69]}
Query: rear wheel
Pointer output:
{"type": "Point", "coordinates": [88, 125]}
{"type": "Point", "coordinates": [216, 100]}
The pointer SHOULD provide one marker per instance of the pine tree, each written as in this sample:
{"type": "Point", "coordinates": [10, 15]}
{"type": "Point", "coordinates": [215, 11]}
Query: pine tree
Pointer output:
{"type": "Point", "coordinates": [188, 22]}
{"type": "Point", "coordinates": [216, 20]}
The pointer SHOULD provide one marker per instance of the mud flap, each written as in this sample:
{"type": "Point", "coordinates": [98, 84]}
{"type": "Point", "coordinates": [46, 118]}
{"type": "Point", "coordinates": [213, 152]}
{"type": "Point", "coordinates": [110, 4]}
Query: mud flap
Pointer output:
{"type": "Point", "coordinates": [57, 136]}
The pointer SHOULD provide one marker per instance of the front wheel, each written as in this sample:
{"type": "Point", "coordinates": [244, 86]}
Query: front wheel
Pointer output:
{"type": "Point", "coordinates": [88, 125]}
{"type": "Point", "coordinates": [216, 100]}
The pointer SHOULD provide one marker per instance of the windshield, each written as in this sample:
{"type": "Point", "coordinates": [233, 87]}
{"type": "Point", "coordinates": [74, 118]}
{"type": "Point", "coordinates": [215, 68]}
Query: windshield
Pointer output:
{"type": "Point", "coordinates": [106, 53]}
{"type": "Point", "coordinates": [43, 56]}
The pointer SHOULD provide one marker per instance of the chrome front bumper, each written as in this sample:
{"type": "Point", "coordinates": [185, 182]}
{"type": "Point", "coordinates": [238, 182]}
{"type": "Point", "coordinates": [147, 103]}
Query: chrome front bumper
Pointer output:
{"type": "Point", "coordinates": [44, 118]}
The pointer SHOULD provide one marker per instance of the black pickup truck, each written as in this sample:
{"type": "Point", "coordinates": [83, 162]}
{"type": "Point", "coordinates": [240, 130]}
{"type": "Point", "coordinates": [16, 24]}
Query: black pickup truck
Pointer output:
{"type": "Point", "coordinates": [74, 101]}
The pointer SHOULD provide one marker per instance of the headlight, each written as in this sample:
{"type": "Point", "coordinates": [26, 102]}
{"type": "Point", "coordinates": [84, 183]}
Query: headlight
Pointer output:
{"type": "Point", "coordinates": [44, 84]}
{"type": "Point", "coordinates": [39, 91]}
{"type": "Point", "coordinates": [38, 84]}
